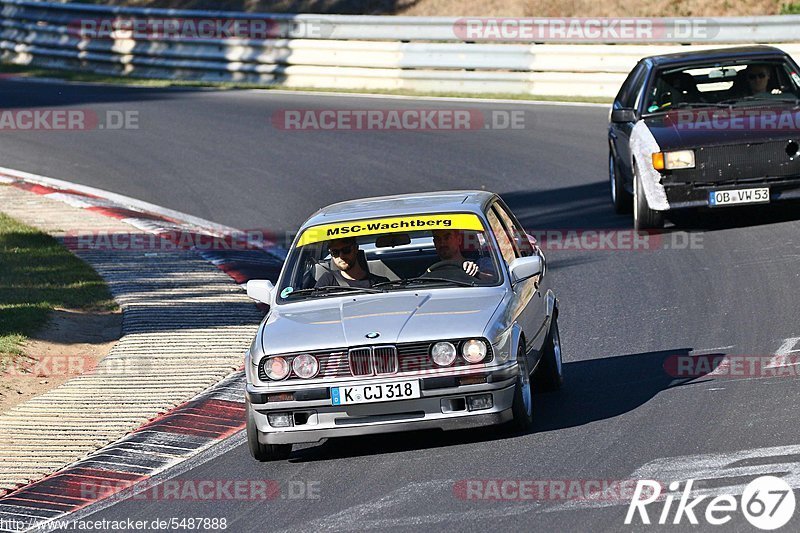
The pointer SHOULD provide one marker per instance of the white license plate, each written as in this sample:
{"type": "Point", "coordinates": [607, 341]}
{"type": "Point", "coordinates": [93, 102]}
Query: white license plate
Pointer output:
{"type": "Point", "coordinates": [739, 196]}
{"type": "Point", "coordinates": [379, 392]}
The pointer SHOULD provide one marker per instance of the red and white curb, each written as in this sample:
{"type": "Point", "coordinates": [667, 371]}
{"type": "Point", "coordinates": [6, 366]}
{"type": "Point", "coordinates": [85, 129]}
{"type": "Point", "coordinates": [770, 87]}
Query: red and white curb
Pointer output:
{"type": "Point", "coordinates": [150, 218]}
{"type": "Point", "coordinates": [167, 440]}
{"type": "Point", "coordinates": [117, 469]}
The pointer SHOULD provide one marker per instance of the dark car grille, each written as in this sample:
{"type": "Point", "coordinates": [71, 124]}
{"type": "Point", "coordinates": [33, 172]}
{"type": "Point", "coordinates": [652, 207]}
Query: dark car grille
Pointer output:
{"type": "Point", "coordinates": [378, 360]}
{"type": "Point", "coordinates": [717, 164]}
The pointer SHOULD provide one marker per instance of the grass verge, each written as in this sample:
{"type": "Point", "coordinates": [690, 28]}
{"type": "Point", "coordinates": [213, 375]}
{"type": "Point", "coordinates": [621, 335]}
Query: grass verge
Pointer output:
{"type": "Point", "coordinates": [70, 75]}
{"type": "Point", "coordinates": [37, 276]}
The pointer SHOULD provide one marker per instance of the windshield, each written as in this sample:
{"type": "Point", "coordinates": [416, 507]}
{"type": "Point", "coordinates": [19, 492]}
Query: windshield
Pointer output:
{"type": "Point", "coordinates": [723, 83]}
{"type": "Point", "coordinates": [389, 254]}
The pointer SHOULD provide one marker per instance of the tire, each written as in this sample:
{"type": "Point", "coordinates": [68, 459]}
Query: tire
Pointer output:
{"type": "Point", "coordinates": [522, 408]}
{"type": "Point", "coordinates": [263, 452]}
{"type": "Point", "coordinates": [643, 216]}
{"type": "Point", "coordinates": [550, 373]}
{"type": "Point", "coordinates": [622, 199]}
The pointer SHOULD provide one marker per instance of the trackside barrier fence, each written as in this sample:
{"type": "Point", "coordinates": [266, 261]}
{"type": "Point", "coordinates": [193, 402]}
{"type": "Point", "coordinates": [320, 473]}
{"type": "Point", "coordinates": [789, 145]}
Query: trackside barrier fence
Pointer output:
{"type": "Point", "coordinates": [568, 57]}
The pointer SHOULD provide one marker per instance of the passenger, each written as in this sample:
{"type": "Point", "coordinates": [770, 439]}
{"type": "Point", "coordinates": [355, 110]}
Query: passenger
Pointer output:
{"type": "Point", "coordinates": [348, 271]}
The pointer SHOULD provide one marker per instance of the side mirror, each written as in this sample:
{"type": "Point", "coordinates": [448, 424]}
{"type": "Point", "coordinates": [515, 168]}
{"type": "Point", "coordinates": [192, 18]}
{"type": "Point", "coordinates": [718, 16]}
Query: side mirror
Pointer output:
{"type": "Point", "coordinates": [624, 115]}
{"type": "Point", "coordinates": [523, 268]}
{"type": "Point", "coordinates": [261, 290]}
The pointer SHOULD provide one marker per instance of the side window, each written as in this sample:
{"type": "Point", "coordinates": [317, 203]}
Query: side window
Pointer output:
{"type": "Point", "coordinates": [503, 240]}
{"type": "Point", "coordinates": [520, 238]}
{"type": "Point", "coordinates": [630, 89]}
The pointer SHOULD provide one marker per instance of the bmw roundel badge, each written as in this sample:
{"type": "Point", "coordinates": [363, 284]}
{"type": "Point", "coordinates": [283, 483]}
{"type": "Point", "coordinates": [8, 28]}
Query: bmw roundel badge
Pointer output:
{"type": "Point", "coordinates": [372, 335]}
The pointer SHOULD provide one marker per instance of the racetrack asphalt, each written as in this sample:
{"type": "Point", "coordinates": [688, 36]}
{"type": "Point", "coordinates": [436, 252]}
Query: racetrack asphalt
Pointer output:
{"type": "Point", "coordinates": [216, 155]}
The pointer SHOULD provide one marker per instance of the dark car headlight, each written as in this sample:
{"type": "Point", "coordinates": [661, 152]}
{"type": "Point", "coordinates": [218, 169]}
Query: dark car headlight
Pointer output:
{"type": "Point", "coordinates": [673, 160]}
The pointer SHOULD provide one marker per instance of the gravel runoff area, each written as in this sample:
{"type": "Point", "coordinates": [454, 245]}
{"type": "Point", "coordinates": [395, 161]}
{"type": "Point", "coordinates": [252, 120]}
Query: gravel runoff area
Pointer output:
{"type": "Point", "coordinates": [186, 325]}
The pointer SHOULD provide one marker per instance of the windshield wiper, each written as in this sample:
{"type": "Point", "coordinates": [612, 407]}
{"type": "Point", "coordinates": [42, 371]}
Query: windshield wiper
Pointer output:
{"type": "Point", "coordinates": [424, 279]}
{"type": "Point", "coordinates": [330, 289]}
{"type": "Point", "coordinates": [680, 105]}
{"type": "Point", "coordinates": [752, 98]}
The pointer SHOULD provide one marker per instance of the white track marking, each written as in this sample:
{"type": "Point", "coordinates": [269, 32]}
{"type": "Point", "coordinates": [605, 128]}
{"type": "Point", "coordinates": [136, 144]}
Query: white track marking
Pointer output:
{"type": "Point", "coordinates": [706, 351]}
{"type": "Point", "coordinates": [786, 349]}
{"type": "Point", "coordinates": [728, 472]}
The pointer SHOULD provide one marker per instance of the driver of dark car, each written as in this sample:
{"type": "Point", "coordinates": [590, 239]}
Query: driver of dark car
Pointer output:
{"type": "Point", "coordinates": [758, 77]}
{"type": "Point", "coordinates": [348, 270]}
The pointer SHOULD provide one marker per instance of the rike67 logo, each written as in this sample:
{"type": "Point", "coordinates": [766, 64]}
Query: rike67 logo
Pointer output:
{"type": "Point", "coordinates": [767, 503]}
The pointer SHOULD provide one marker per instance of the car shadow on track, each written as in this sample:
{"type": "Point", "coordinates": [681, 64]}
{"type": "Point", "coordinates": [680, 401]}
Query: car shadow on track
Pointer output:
{"type": "Point", "coordinates": [599, 389]}
{"type": "Point", "coordinates": [708, 220]}
{"type": "Point", "coordinates": [586, 206]}
{"type": "Point", "coordinates": [594, 390]}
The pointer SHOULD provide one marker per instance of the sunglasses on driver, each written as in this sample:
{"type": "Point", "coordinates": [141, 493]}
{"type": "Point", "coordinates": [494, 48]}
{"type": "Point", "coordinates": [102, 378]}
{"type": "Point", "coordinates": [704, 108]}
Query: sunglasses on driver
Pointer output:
{"type": "Point", "coordinates": [346, 250]}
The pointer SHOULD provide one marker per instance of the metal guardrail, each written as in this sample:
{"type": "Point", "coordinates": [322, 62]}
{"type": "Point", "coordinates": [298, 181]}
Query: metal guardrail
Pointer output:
{"type": "Point", "coordinates": [361, 52]}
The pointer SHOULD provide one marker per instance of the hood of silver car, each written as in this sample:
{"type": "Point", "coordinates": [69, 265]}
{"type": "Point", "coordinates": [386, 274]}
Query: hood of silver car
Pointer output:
{"type": "Point", "coordinates": [403, 316]}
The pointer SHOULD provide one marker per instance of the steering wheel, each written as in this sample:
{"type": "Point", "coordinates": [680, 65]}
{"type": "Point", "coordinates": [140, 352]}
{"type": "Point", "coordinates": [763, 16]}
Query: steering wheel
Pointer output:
{"type": "Point", "coordinates": [447, 264]}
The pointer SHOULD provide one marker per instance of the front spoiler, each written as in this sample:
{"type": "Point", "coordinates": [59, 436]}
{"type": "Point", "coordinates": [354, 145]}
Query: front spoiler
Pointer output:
{"type": "Point", "coordinates": [684, 196]}
{"type": "Point", "coordinates": [323, 420]}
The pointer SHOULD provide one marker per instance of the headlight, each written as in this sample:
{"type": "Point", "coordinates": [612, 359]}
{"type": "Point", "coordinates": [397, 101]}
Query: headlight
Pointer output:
{"type": "Point", "coordinates": [673, 160]}
{"type": "Point", "coordinates": [276, 368]}
{"type": "Point", "coordinates": [306, 366]}
{"type": "Point", "coordinates": [443, 353]}
{"type": "Point", "coordinates": [474, 351]}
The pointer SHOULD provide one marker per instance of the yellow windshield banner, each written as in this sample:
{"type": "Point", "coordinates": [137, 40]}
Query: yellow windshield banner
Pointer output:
{"type": "Point", "coordinates": [357, 228]}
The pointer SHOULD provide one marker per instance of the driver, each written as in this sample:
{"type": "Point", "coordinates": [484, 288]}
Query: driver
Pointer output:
{"type": "Point", "coordinates": [348, 272]}
{"type": "Point", "coordinates": [448, 244]}
{"type": "Point", "coordinates": [758, 76]}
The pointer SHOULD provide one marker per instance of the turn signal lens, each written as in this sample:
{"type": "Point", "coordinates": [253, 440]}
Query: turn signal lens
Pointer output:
{"type": "Point", "coordinates": [658, 161]}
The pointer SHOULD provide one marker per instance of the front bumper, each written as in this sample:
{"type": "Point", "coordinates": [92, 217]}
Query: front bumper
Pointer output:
{"type": "Point", "coordinates": [688, 195]}
{"type": "Point", "coordinates": [441, 406]}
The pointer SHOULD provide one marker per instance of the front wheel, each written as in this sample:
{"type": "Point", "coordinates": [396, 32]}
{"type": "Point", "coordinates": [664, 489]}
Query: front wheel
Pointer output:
{"type": "Point", "coordinates": [522, 408]}
{"type": "Point", "coordinates": [550, 373]}
{"type": "Point", "coordinates": [263, 452]}
{"type": "Point", "coordinates": [643, 216]}
{"type": "Point", "coordinates": [621, 198]}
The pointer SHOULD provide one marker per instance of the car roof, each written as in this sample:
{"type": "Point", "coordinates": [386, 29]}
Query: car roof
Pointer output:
{"type": "Point", "coordinates": [470, 201]}
{"type": "Point", "coordinates": [717, 54]}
